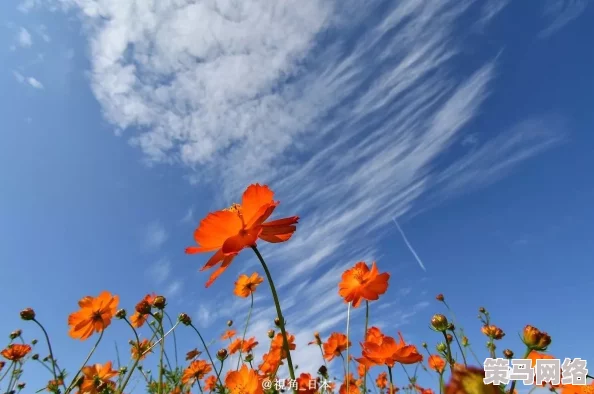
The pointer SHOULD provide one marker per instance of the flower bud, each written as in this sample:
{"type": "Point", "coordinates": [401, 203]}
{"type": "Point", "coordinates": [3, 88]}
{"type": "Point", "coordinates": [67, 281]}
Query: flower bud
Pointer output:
{"type": "Point", "coordinates": [28, 314]}
{"type": "Point", "coordinates": [323, 370]}
{"type": "Point", "coordinates": [34, 342]}
{"type": "Point", "coordinates": [277, 321]}
{"type": "Point", "coordinates": [508, 354]}
{"type": "Point", "coordinates": [440, 297]}
{"type": "Point", "coordinates": [493, 331]}
{"type": "Point", "coordinates": [441, 347]}
{"type": "Point", "coordinates": [159, 302]}
{"type": "Point", "coordinates": [464, 341]}
{"type": "Point", "coordinates": [439, 322]}
{"type": "Point", "coordinates": [21, 385]}
{"type": "Point", "coordinates": [424, 344]}
{"type": "Point", "coordinates": [229, 323]}
{"type": "Point", "coordinates": [449, 338]}
{"type": "Point", "coordinates": [15, 334]}
{"type": "Point", "coordinates": [184, 319]}
{"type": "Point", "coordinates": [143, 307]}
{"type": "Point", "coordinates": [318, 339]}
{"type": "Point", "coordinates": [451, 327]}
{"type": "Point", "coordinates": [121, 314]}
{"type": "Point", "coordinates": [535, 339]}
{"type": "Point", "coordinates": [482, 310]}
{"type": "Point", "coordinates": [123, 370]}
{"type": "Point", "coordinates": [270, 334]}
{"type": "Point", "coordinates": [35, 356]}
{"type": "Point", "coordinates": [222, 354]}
{"type": "Point", "coordinates": [2, 364]}
{"type": "Point", "coordinates": [249, 358]}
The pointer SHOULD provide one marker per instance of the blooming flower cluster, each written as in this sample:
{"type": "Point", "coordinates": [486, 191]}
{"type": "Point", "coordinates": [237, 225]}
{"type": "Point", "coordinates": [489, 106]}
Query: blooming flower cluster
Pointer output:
{"type": "Point", "coordinates": [227, 233]}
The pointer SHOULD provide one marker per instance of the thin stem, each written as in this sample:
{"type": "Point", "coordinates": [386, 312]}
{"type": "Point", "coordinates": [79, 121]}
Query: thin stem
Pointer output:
{"type": "Point", "coordinates": [460, 347]}
{"type": "Point", "coordinates": [365, 337]}
{"type": "Point", "coordinates": [6, 373]}
{"type": "Point", "coordinates": [450, 359]}
{"type": "Point", "coordinates": [136, 361]}
{"type": "Point", "coordinates": [199, 385]}
{"type": "Point", "coordinates": [174, 340]}
{"type": "Point", "coordinates": [161, 355]}
{"type": "Point", "coordinates": [49, 345]}
{"type": "Point", "coordinates": [278, 312]}
{"type": "Point", "coordinates": [348, 347]}
{"type": "Point", "coordinates": [390, 390]}
{"type": "Point", "coordinates": [155, 344]}
{"type": "Point", "coordinates": [208, 354]}
{"type": "Point", "coordinates": [513, 385]}
{"type": "Point", "coordinates": [245, 330]}
{"type": "Point", "coordinates": [73, 382]}
{"type": "Point", "coordinates": [12, 375]}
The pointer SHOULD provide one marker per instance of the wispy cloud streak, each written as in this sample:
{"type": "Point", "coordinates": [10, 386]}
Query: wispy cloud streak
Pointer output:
{"type": "Point", "coordinates": [409, 246]}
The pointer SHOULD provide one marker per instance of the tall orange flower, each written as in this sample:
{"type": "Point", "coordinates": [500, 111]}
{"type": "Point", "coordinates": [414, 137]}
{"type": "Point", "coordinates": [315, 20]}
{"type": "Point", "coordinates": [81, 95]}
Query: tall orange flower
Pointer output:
{"type": "Point", "coordinates": [277, 344]}
{"type": "Point", "coordinates": [244, 381]}
{"type": "Point", "coordinates": [246, 285]}
{"type": "Point", "coordinates": [196, 371]}
{"type": "Point", "coordinates": [336, 344]}
{"type": "Point", "coordinates": [15, 352]}
{"type": "Point", "coordinates": [436, 363]}
{"type": "Point", "coordinates": [94, 315]}
{"type": "Point", "coordinates": [533, 356]}
{"type": "Point", "coordinates": [94, 375]}
{"type": "Point", "coordinates": [389, 352]}
{"type": "Point", "coordinates": [360, 283]}
{"type": "Point", "coordinates": [142, 308]}
{"type": "Point", "coordinates": [210, 383]}
{"type": "Point", "coordinates": [306, 384]}
{"type": "Point", "coordinates": [229, 231]}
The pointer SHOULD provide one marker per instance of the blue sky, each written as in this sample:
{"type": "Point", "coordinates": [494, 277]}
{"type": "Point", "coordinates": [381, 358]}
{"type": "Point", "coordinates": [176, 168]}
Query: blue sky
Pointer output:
{"type": "Point", "coordinates": [468, 121]}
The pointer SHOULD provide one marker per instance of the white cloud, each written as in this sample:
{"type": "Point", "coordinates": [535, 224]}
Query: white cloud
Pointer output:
{"type": "Point", "coordinates": [159, 271]}
{"type": "Point", "coordinates": [189, 216]}
{"type": "Point", "coordinates": [24, 38]}
{"type": "Point", "coordinates": [560, 13]}
{"type": "Point", "coordinates": [155, 236]}
{"type": "Point", "coordinates": [18, 76]}
{"type": "Point", "coordinates": [35, 83]}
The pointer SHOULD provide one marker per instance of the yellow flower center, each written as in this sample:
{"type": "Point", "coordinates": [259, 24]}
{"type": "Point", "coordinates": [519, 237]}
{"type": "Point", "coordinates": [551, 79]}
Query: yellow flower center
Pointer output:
{"type": "Point", "coordinates": [236, 208]}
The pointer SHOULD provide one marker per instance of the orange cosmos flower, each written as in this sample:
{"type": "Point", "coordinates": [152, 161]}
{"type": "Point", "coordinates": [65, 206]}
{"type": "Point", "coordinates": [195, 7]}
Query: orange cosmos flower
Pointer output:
{"type": "Point", "coordinates": [228, 334]}
{"type": "Point", "coordinates": [93, 375]}
{"type": "Point", "coordinates": [469, 380]}
{"type": "Point", "coordinates": [533, 356]}
{"type": "Point", "coordinates": [246, 285]}
{"type": "Point", "coordinates": [15, 352]}
{"type": "Point", "coordinates": [277, 344]}
{"type": "Point", "coordinates": [231, 230]}
{"type": "Point", "coordinates": [582, 389]}
{"type": "Point", "coordinates": [306, 384]}
{"type": "Point", "coordinates": [436, 363]}
{"type": "Point", "coordinates": [270, 362]}
{"type": "Point", "coordinates": [140, 350]}
{"type": "Point", "coordinates": [248, 345]}
{"type": "Point", "coordinates": [336, 344]}
{"type": "Point", "coordinates": [210, 383]}
{"type": "Point", "coordinates": [389, 352]}
{"type": "Point", "coordinates": [244, 381]}
{"type": "Point", "coordinates": [195, 371]}
{"type": "Point", "coordinates": [382, 381]}
{"type": "Point", "coordinates": [353, 385]}
{"type": "Point", "coordinates": [192, 354]}
{"type": "Point", "coordinates": [94, 315]}
{"type": "Point", "coordinates": [492, 331]}
{"type": "Point", "coordinates": [142, 310]}
{"type": "Point", "coordinates": [360, 283]}
{"type": "Point", "coordinates": [235, 346]}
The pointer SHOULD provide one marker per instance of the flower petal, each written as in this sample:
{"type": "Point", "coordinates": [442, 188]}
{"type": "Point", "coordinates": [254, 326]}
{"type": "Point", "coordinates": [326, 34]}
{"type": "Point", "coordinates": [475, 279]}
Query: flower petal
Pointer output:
{"type": "Point", "coordinates": [215, 228]}
{"type": "Point", "coordinates": [220, 270]}
{"type": "Point", "coordinates": [255, 197]}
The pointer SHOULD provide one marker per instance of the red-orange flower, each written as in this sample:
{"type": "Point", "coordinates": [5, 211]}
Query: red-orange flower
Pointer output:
{"type": "Point", "coordinates": [336, 344]}
{"type": "Point", "coordinates": [15, 352]}
{"type": "Point", "coordinates": [382, 380]}
{"type": "Point", "coordinates": [94, 375]}
{"type": "Point", "coordinates": [244, 381]}
{"type": "Point", "coordinates": [360, 283]}
{"type": "Point", "coordinates": [436, 363]}
{"type": "Point", "coordinates": [306, 384]}
{"type": "Point", "coordinates": [353, 385]}
{"type": "Point", "coordinates": [141, 311]}
{"type": "Point", "coordinates": [94, 315]}
{"type": "Point", "coordinates": [246, 285]}
{"type": "Point", "coordinates": [270, 362]}
{"type": "Point", "coordinates": [210, 383]}
{"type": "Point", "coordinates": [582, 389]}
{"type": "Point", "coordinates": [277, 344]}
{"type": "Point", "coordinates": [388, 352]}
{"type": "Point", "coordinates": [248, 345]}
{"type": "Point", "coordinates": [228, 334]}
{"type": "Point", "coordinates": [231, 230]}
{"type": "Point", "coordinates": [235, 346]}
{"type": "Point", "coordinates": [140, 350]}
{"type": "Point", "coordinates": [196, 371]}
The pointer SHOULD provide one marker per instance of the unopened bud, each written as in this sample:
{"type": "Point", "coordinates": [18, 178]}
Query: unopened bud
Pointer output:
{"type": "Point", "coordinates": [123, 370]}
{"type": "Point", "coordinates": [440, 297]}
{"type": "Point", "coordinates": [508, 354]}
{"type": "Point", "coordinates": [249, 358]}
{"type": "Point", "coordinates": [21, 385]}
{"type": "Point", "coordinates": [184, 319]}
{"type": "Point", "coordinates": [449, 338]}
{"type": "Point", "coordinates": [277, 321]}
{"type": "Point", "coordinates": [28, 314]}
{"type": "Point", "coordinates": [270, 334]}
{"type": "Point", "coordinates": [451, 327]}
{"type": "Point", "coordinates": [439, 322]}
{"type": "Point", "coordinates": [424, 344]}
{"type": "Point", "coordinates": [34, 342]}
{"type": "Point", "coordinates": [222, 354]}
{"type": "Point", "coordinates": [464, 341]}
{"type": "Point", "coordinates": [323, 370]}
{"type": "Point", "coordinates": [441, 347]}
{"type": "Point", "coordinates": [121, 314]}
{"type": "Point", "coordinates": [159, 302]}
{"type": "Point", "coordinates": [482, 310]}
{"type": "Point", "coordinates": [229, 323]}
{"type": "Point", "coordinates": [15, 334]}
{"type": "Point", "coordinates": [35, 356]}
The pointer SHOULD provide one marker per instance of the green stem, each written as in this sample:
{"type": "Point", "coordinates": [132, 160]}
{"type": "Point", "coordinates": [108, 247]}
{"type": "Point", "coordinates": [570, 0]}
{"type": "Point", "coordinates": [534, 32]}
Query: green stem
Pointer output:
{"type": "Point", "coordinates": [10, 382]}
{"type": "Point", "coordinates": [156, 343]}
{"type": "Point", "coordinates": [208, 354]}
{"type": "Point", "coordinates": [390, 389]}
{"type": "Point", "coordinates": [513, 385]}
{"type": "Point", "coordinates": [73, 382]}
{"type": "Point", "coordinates": [278, 312]}
{"type": "Point", "coordinates": [49, 345]}
{"type": "Point", "coordinates": [450, 358]}
{"type": "Point", "coordinates": [162, 352]}
{"type": "Point", "coordinates": [348, 347]}
{"type": "Point", "coordinates": [174, 340]}
{"type": "Point", "coordinates": [460, 347]}
{"type": "Point", "coordinates": [245, 330]}
{"type": "Point", "coordinates": [364, 338]}
{"type": "Point", "coordinates": [136, 361]}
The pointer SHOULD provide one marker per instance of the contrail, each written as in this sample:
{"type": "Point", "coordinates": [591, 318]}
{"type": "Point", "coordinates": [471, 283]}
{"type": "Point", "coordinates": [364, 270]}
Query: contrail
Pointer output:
{"type": "Point", "coordinates": [409, 245]}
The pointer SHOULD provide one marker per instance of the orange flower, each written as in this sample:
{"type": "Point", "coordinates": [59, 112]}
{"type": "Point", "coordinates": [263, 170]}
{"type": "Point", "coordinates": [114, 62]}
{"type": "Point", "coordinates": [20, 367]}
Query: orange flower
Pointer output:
{"type": "Point", "coordinates": [94, 315]}
{"type": "Point", "coordinates": [248, 345]}
{"type": "Point", "coordinates": [492, 331]}
{"type": "Point", "coordinates": [469, 380]}
{"type": "Point", "coordinates": [382, 381]}
{"type": "Point", "coordinates": [353, 385]}
{"type": "Point", "coordinates": [277, 344]}
{"type": "Point", "coordinates": [231, 230]}
{"type": "Point", "coordinates": [317, 340]}
{"type": "Point", "coordinates": [246, 285]}
{"type": "Point", "coordinates": [210, 383]}
{"type": "Point", "coordinates": [228, 334]}
{"type": "Point", "coordinates": [93, 375]}
{"type": "Point", "coordinates": [195, 371]}
{"type": "Point", "coordinates": [533, 356]}
{"type": "Point", "coordinates": [270, 363]}
{"type": "Point", "coordinates": [15, 352]}
{"type": "Point", "coordinates": [436, 363]}
{"type": "Point", "coordinates": [139, 317]}
{"type": "Point", "coordinates": [582, 389]}
{"type": "Point", "coordinates": [140, 350]}
{"type": "Point", "coordinates": [306, 384]}
{"type": "Point", "coordinates": [235, 346]}
{"type": "Point", "coordinates": [244, 381]}
{"type": "Point", "coordinates": [389, 352]}
{"type": "Point", "coordinates": [374, 335]}
{"type": "Point", "coordinates": [360, 283]}
{"type": "Point", "coordinates": [192, 354]}
{"type": "Point", "coordinates": [336, 344]}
